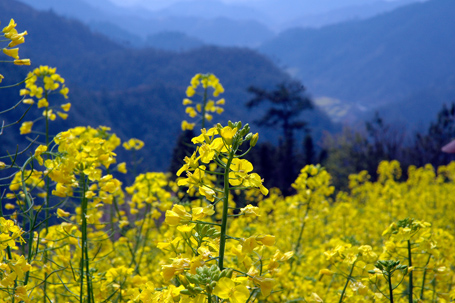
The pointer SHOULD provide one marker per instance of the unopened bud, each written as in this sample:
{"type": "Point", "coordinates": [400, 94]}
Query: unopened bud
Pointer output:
{"type": "Point", "coordinates": [254, 140]}
{"type": "Point", "coordinates": [208, 289]}
{"type": "Point", "coordinates": [183, 280]}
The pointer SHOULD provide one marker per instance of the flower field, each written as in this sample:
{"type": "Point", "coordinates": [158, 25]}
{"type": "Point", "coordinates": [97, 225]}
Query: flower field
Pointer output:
{"type": "Point", "coordinates": [71, 231]}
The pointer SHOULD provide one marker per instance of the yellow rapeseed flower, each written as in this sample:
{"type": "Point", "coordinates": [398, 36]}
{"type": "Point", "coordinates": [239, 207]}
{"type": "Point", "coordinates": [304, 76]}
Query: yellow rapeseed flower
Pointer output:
{"type": "Point", "coordinates": [12, 52]}
{"type": "Point", "coordinates": [226, 289]}
{"type": "Point", "coordinates": [66, 107]}
{"type": "Point", "coordinates": [187, 126]}
{"type": "Point", "coordinates": [43, 103]}
{"type": "Point", "coordinates": [10, 26]}
{"type": "Point", "coordinates": [26, 127]}
{"type": "Point", "coordinates": [133, 143]}
{"type": "Point", "coordinates": [22, 62]}
{"type": "Point", "coordinates": [62, 213]}
{"type": "Point", "coordinates": [64, 116]}
{"type": "Point", "coordinates": [9, 206]}
{"type": "Point", "coordinates": [38, 151]}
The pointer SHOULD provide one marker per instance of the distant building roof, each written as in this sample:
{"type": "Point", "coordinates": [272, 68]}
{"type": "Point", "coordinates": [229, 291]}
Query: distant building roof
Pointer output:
{"type": "Point", "coordinates": [449, 148]}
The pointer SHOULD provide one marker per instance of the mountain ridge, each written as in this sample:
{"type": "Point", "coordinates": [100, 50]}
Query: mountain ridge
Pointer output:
{"type": "Point", "coordinates": [375, 62]}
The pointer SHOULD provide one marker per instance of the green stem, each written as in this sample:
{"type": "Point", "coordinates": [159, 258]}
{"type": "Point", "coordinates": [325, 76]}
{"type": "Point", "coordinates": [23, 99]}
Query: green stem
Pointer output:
{"type": "Point", "coordinates": [146, 223]}
{"type": "Point", "coordinates": [389, 275]}
{"type": "Point", "coordinates": [204, 102]}
{"type": "Point", "coordinates": [130, 249]}
{"type": "Point", "coordinates": [31, 218]}
{"type": "Point", "coordinates": [46, 201]}
{"type": "Point", "coordinates": [47, 180]}
{"type": "Point", "coordinates": [347, 282]}
{"type": "Point", "coordinates": [112, 214]}
{"type": "Point", "coordinates": [424, 278]}
{"type": "Point", "coordinates": [410, 274]}
{"type": "Point", "coordinates": [139, 237]}
{"type": "Point", "coordinates": [84, 246]}
{"type": "Point", "coordinates": [225, 210]}
{"type": "Point", "coordinates": [433, 283]}
{"type": "Point", "coordinates": [297, 247]}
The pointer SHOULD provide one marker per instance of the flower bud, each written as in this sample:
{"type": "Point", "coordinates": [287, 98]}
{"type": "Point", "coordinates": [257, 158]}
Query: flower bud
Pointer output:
{"type": "Point", "coordinates": [183, 280]}
{"type": "Point", "coordinates": [254, 140]}
{"type": "Point", "coordinates": [208, 289]}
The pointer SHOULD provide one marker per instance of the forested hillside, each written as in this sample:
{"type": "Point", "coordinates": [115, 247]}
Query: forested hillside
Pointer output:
{"type": "Point", "coordinates": [136, 92]}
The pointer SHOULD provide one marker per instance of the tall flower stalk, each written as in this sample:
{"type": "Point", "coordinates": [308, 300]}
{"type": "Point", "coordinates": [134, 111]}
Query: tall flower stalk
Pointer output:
{"type": "Point", "coordinates": [220, 146]}
{"type": "Point", "coordinates": [207, 86]}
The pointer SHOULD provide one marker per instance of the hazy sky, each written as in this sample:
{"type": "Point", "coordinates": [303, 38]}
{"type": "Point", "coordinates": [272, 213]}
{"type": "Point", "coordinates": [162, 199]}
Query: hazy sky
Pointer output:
{"type": "Point", "coordinates": [163, 3]}
{"type": "Point", "coordinates": [156, 4]}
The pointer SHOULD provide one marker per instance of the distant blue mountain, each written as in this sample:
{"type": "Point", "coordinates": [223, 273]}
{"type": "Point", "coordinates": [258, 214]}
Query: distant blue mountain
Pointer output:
{"type": "Point", "coordinates": [131, 26]}
{"type": "Point", "coordinates": [211, 9]}
{"type": "Point", "coordinates": [360, 11]}
{"type": "Point", "coordinates": [212, 21]}
{"type": "Point", "coordinates": [172, 41]}
{"type": "Point", "coordinates": [379, 62]}
{"type": "Point", "coordinates": [287, 12]}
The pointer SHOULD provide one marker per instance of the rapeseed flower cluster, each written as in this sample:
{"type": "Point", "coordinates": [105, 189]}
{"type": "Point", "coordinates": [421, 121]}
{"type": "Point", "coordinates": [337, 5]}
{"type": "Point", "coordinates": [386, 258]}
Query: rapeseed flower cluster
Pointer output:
{"type": "Point", "coordinates": [40, 84]}
{"type": "Point", "coordinates": [15, 38]}
{"type": "Point", "coordinates": [133, 144]}
{"type": "Point", "coordinates": [351, 247]}
{"type": "Point", "coordinates": [340, 252]}
{"type": "Point", "coordinates": [206, 254]}
{"type": "Point", "coordinates": [203, 110]}
{"type": "Point", "coordinates": [84, 152]}
{"type": "Point", "coordinates": [13, 265]}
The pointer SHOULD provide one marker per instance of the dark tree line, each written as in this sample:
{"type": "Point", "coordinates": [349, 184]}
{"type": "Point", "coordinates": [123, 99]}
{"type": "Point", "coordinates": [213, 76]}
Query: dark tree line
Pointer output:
{"type": "Point", "coordinates": [355, 150]}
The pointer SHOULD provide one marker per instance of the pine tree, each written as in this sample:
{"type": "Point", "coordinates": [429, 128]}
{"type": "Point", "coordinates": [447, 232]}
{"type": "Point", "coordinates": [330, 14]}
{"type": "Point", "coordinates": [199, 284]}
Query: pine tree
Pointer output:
{"type": "Point", "coordinates": [287, 102]}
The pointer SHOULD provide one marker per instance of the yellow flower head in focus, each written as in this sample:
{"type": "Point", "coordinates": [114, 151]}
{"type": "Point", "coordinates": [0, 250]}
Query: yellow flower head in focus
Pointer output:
{"type": "Point", "coordinates": [226, 289]}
